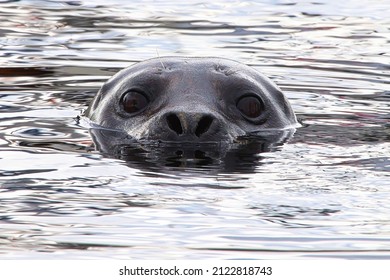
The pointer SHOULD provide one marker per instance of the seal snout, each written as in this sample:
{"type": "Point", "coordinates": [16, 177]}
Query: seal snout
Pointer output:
{"type": "Point", "coordinates": [198, 126]}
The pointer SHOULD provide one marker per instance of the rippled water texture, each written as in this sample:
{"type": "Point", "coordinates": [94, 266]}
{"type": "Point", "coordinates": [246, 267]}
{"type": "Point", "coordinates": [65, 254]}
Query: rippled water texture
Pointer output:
{"type": "Point", "coordinates": [325, 194]}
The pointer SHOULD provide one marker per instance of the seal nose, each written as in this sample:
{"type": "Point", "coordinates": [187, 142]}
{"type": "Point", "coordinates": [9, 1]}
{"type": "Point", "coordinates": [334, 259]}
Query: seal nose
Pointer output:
{"type": "Point", "coordinates": [189, 124]}
{"type": "Point", "coordinates": [203, 125]}
{"type": "Point", "coordinates": [174, 124]}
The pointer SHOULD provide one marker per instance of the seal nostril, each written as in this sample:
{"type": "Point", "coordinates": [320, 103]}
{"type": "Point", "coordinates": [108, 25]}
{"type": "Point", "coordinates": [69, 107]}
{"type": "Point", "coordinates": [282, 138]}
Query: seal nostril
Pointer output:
{"type": "Point", "coordinates": [174, 123]}
{"type": "Point", "coordinates": [203, 125]}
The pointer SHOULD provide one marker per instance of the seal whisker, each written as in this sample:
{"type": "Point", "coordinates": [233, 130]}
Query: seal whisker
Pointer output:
{"type": "Point", "coordinates": [159, 57]}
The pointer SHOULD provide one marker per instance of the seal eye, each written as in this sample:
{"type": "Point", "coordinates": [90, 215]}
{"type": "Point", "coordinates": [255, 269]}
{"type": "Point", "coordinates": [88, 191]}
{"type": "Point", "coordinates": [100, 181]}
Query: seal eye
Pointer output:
{"type": "Point", "coordinates": [250, 106]}
{"type": "Point", "coordinates": [134, 101]}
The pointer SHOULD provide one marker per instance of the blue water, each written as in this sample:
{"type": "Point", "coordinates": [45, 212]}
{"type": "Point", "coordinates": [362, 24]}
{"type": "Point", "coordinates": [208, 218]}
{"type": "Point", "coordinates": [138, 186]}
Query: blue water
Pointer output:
{"type": "Point", "coordinates": [324, 194]}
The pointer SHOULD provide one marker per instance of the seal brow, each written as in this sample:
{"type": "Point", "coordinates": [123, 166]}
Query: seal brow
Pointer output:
{"type": "Point", "coordinates": [224, 70]}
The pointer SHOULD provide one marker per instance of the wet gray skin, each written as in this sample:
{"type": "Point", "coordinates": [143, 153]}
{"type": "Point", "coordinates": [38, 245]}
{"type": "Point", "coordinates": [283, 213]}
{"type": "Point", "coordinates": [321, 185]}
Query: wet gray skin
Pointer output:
{"type": "Point", "coordinates": [179, 99]}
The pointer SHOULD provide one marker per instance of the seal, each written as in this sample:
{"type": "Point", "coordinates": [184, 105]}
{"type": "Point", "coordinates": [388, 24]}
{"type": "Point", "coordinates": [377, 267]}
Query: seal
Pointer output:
{"type": "Point", "coordinates": [181, 99]}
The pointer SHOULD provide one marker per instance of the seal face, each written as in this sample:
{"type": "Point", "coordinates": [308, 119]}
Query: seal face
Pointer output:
{"type": "Point", "coordinates": [178, 99]}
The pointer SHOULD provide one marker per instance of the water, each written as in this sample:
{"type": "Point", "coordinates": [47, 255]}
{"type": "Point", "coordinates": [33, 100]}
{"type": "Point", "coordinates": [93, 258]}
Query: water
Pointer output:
{"type": "Point", "coordinates": [324, 194]}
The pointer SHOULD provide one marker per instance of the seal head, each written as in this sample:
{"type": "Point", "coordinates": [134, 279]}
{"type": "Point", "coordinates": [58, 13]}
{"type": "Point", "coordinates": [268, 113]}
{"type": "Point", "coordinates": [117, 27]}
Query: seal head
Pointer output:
{"type": "Point", "coordinates": [178, 99]}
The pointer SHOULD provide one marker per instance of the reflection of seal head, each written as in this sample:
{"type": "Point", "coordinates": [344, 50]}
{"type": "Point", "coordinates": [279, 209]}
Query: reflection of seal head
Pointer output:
{"type": "Point", "coordinates": [242, 157]}
{"type": "Point", "coordinates": [176, 99]}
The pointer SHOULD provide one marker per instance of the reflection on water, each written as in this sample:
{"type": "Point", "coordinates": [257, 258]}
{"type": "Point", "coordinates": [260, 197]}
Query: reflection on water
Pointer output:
{"type": "Point", "coordinates": [69, 193]}
{"type": "Point", "coordinates": [242, 156]}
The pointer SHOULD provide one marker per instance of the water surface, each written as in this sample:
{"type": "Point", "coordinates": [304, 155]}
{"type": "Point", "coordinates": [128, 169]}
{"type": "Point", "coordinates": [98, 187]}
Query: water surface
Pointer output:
{"type": "Point", "coordinates": [324, 194]}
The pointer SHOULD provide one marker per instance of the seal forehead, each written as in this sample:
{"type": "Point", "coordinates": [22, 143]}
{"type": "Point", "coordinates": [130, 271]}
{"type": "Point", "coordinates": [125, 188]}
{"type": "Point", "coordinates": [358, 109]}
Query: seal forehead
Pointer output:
{"type": "Point", "coordinates": [174, 64]}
